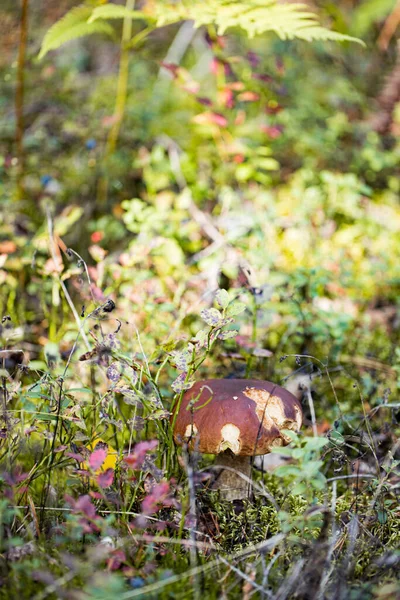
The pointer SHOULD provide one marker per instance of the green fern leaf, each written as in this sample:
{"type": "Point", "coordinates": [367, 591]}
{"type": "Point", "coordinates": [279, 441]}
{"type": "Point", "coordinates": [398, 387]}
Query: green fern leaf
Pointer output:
{"type": "Point", "coordinates": [72, 26]}
{"type": "Point", "coordinates": [115, 11]}
{"type": "Point", "coordinates": [288, 21]}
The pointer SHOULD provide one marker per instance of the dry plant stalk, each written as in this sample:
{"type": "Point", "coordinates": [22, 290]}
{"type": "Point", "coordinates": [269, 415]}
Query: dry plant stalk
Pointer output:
{"type": "Point", "coordinates": [382, 121]}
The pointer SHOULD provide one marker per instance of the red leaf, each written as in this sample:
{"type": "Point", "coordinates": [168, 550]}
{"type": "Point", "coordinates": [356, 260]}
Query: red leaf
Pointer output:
{"type": "Point", "coordinates": [97, 458]}
{"type": "Point", "coordinates": [118, 557]}
{"type": "Point", "coordinates": [158, 497]}
{"type": "Point", "coordinates": [96, 495]}
{"type": "Point", "coordinates": [97, 236]}
{"type": "Point", "coordinates": [105, 479]}
{"type": "Point", "coordinates": [7, 247]}
{"type": "Point", "coordinates": [262, 77]}
{"type": "Point", "coordinates": [76, 456]}
{"type": "Point", "coordinates": [226, 98]}
{"type": "Point", "coordinates": [253, 59]}
{"type": "Point", "coordinates": [84, 505]}
{"type": "Point", "coordinates": [273, 131]}
{"type": "Point", "coordinates": [248, 97]}
{"type": "Point", "coordinates": [211, 118]}
{"type": "Point", "coordinates": [204, 101]}
{"type": "Point", "coordinates": [60, 448]}
{"type": "Point", "coordinates": [82, 472]}
{"type": "Point", "coordinates": [136, 458]}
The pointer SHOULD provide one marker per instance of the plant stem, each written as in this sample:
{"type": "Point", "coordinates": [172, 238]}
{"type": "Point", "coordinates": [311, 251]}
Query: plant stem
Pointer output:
{"type": "Point", "coordinates": [120, 102]}
{"type": "Point", "coordinates": [122, 85]}
{"type": "Point", "coordinates": [46, 486]}
{"type": "Point", "coordinates": [19, 96]}
{"type": "Point", "coordinates": [253, 334]}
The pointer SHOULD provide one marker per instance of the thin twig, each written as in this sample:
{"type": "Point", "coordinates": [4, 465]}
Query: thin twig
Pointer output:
{"type": "Point", "coordinates": [86, 271]}
{"type": "Point", "coordinates": [367, 476]}
{"type": "Point", "coordinates": [241, 574]}
{"type": "Point", "coordinates": [290, 582]}
{"type": "Point", "coordinates": [312, 411]}
{"type": "Point", "coordinates": [389, 28]}
{"type": "Point", "coordinates": [64, 289]}
{"type": "Point", "coordinates": [266, 572]}
{"type": "Point", "coordinates": [19, 95]}
{"type": "Point", "coordinates": [368, 363]}
{"type": "Point", "coordinates": [334, 537]}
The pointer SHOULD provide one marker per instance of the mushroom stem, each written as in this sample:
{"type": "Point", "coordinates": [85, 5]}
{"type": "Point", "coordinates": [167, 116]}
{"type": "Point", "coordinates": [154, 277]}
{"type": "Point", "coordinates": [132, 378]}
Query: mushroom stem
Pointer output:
{"type": "Point", "coordinates": [231, 485]}
{"type": "Point", "coordinates": [298, 385]}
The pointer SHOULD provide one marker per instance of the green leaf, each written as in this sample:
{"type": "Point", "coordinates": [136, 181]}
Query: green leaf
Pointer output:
{"type": "Point", "coordinates": [299, 489]}
{"type": "Point", "coordinates": [181, 384]}
{"type": "Point", "coordinates": [336, 437]}
{"type": "Point", "coordinates": [282, 451]}
{"type": "Point", "coordinates": [42, 417]}
{"type": "Point", "coordinates": [291, 434]}
{"type": "Point", "coordinates": [211, 316]}
{"type": "Point", "coordinates": [72, 26]}
{"type": "Point", "coordinates": [269, 164]}
{"type": "Point", "coordinates": [38, 365]}
{"type": "Point", "coordinates": [318, 482]}
{"type": "Point", "coordinates": [382, 516]}
{"type": "Point", "coordinates": [67, 218]}
{"type": "Point", "coordinates": [201, 338]}
{"type": "Point", "coordinates": [287, 470]}
{"type": "Point", "coordinates": [297, 453]}
{"type": "Point", "coordinates": [222, 298]}
{"type": "Point", "coordinates": [235, 309]}
{"type": "Point", "coordinates": [226, 335]}
{"type": "Point", "coordinates": [244, 172]}
{"type": "Point", "coordinates": [312, 467]}
{"type": "Point", "coordinates": [316, 443]}
{"type": "Point", "coordinates": [181, 359]}
{"type": "Point", "coordinates": [114, 11]}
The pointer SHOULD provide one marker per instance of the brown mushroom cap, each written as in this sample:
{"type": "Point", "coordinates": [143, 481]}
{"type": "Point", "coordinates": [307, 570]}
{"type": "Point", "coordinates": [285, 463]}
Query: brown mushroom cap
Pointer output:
{"type": "Point", "coordinates": [245, 415]}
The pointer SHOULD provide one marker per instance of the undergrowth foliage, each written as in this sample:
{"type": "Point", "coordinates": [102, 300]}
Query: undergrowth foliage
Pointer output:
{"type": "Point", "coordinates": [89, 463]}
{"type": "Point", "coordinates": [229, 214]}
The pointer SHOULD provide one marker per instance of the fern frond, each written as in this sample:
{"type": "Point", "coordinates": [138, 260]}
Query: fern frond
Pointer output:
{"type": "Point", "coordinates": [72, 26]}
{"type": "Point", "coordinates": [114, 11]}
{"type": "Point", "coordinates": [288, 21]}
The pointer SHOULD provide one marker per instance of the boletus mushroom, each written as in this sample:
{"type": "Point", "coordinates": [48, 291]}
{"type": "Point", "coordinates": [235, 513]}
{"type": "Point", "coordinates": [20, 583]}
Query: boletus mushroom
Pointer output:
{"type": "Point", "coordinates": [236, 419]}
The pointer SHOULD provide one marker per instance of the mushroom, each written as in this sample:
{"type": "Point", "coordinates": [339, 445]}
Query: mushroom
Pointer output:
{"type": "Point", "coordinates": [236, 419]}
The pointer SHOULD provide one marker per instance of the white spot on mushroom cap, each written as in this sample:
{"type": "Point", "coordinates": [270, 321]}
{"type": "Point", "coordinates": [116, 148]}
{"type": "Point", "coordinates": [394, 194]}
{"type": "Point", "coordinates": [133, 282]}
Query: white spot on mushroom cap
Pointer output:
{"type": "Point", "coordinates": [230, 438]}
{"type": "Point", "coordinates": [271, 411]}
